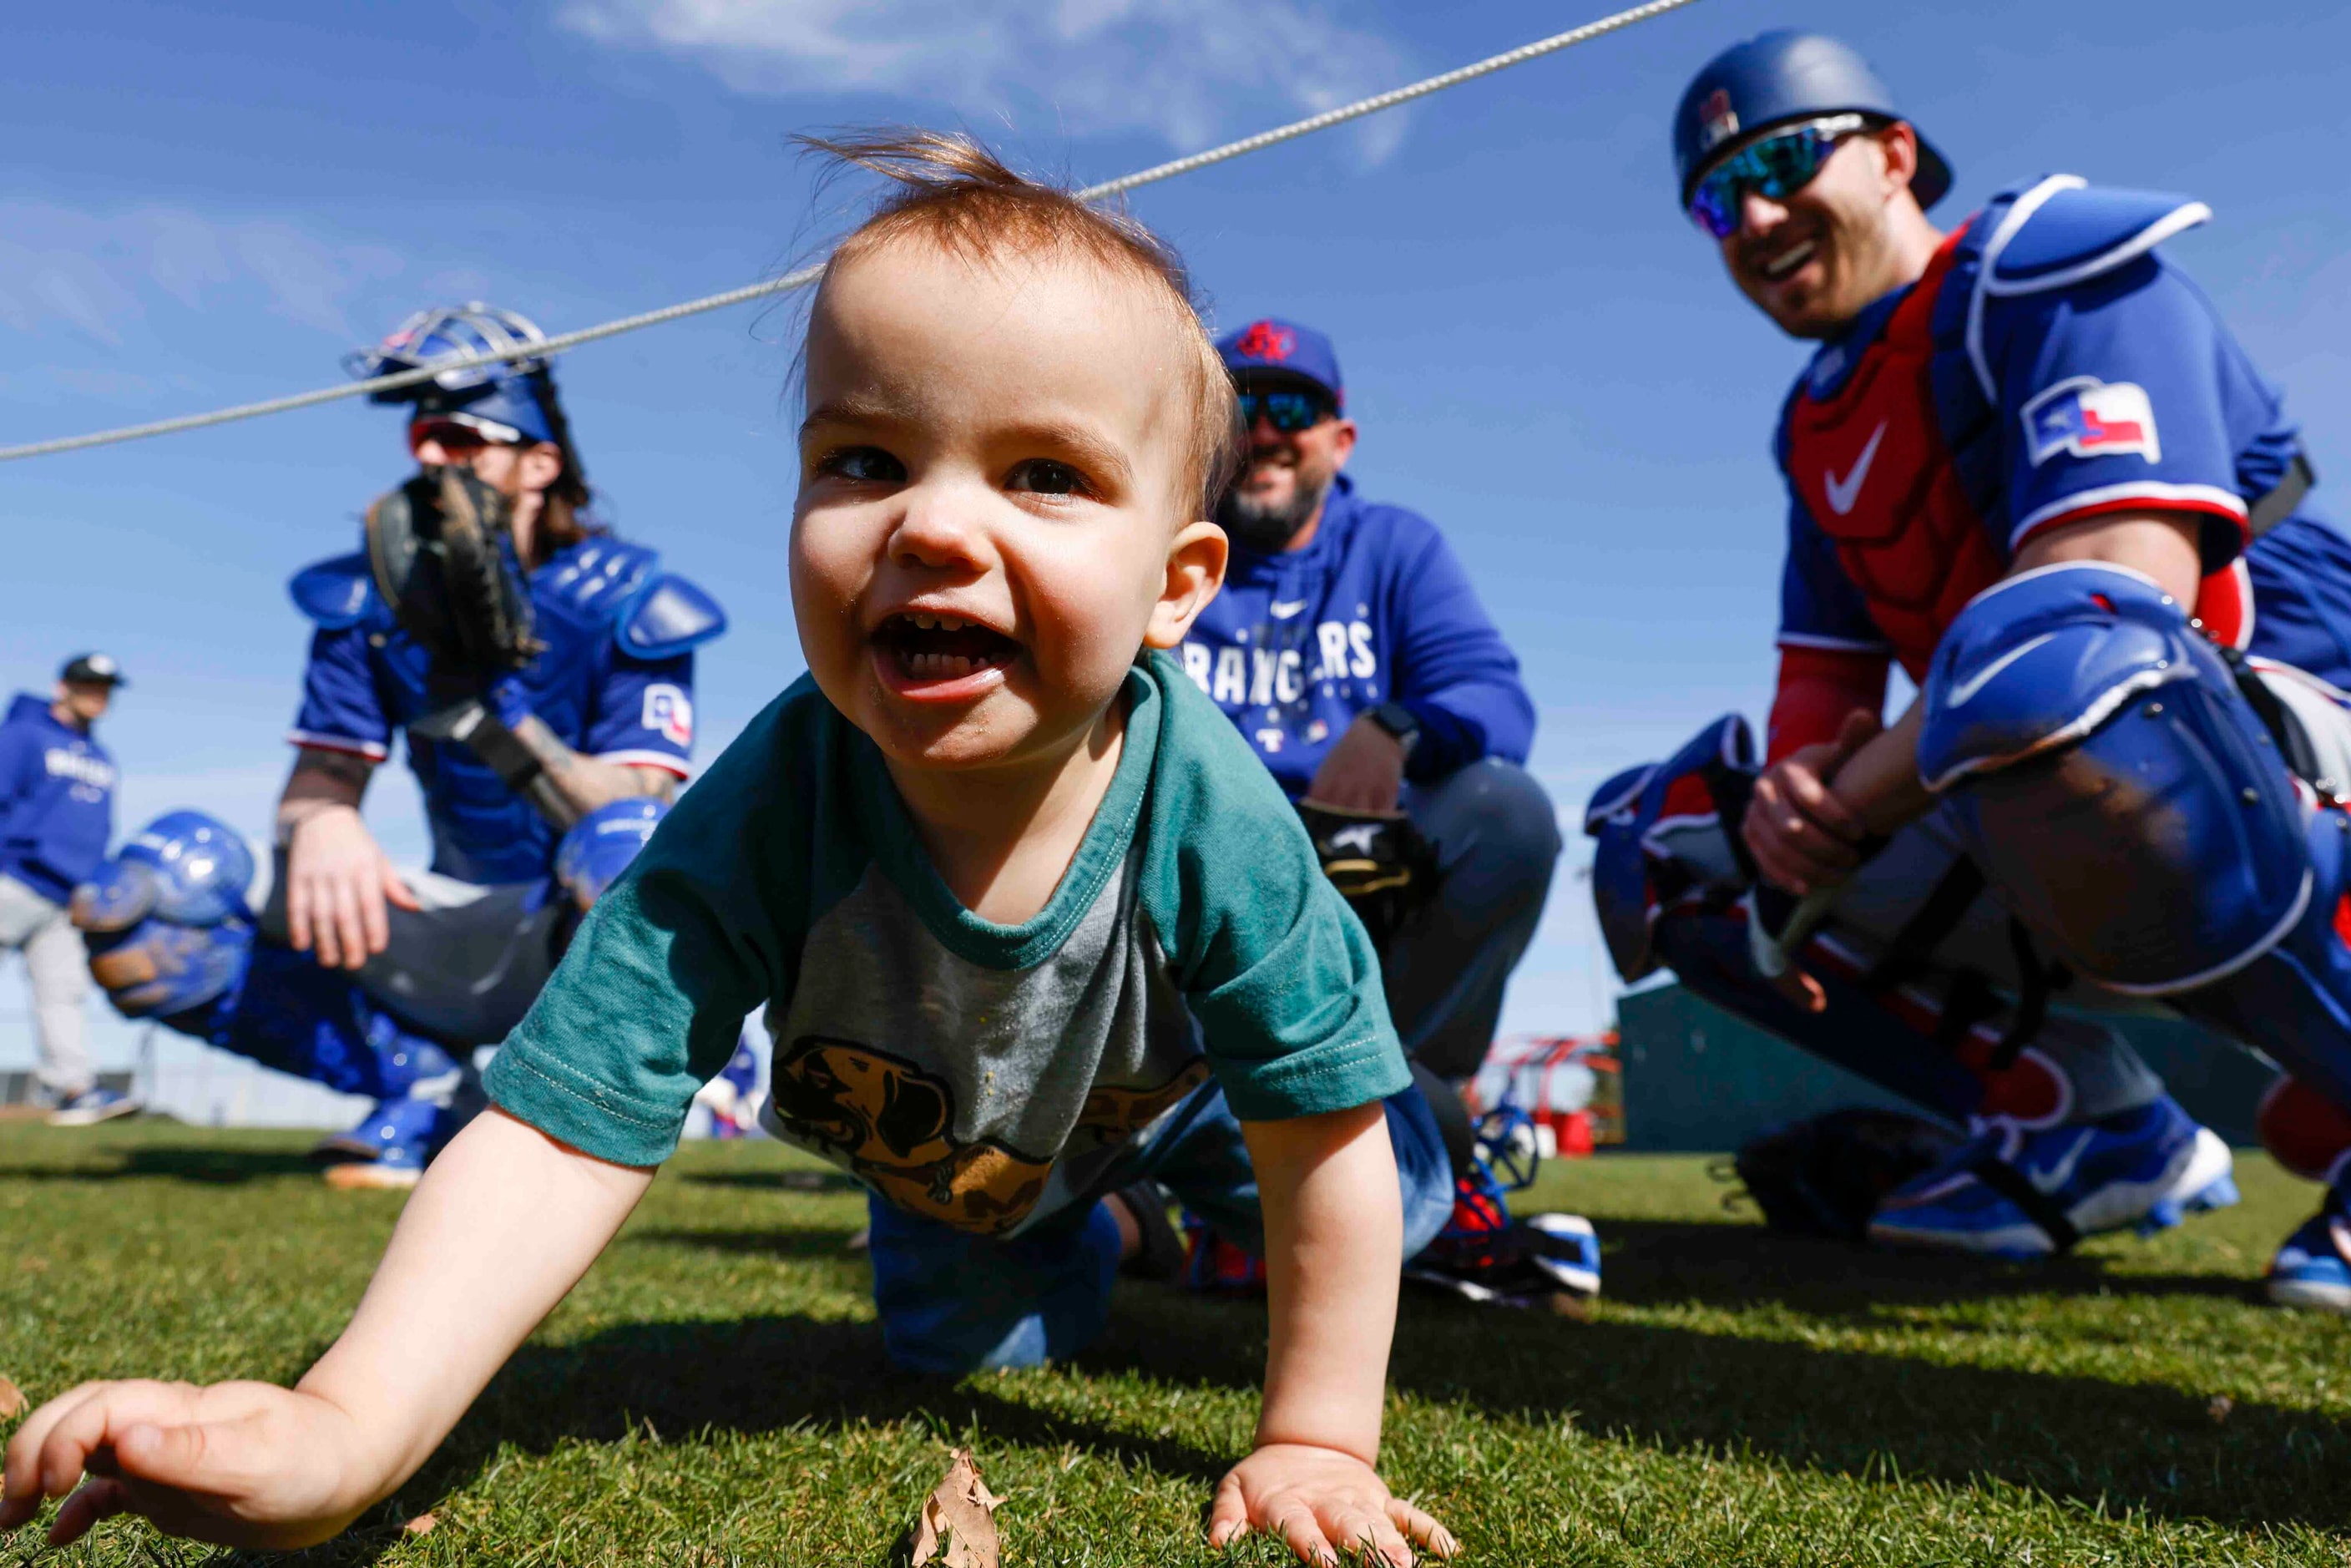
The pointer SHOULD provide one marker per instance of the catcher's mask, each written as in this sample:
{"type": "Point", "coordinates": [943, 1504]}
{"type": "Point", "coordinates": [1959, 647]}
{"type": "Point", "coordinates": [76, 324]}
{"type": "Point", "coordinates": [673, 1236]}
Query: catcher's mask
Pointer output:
{"type": "Point", "coordinates": [440, 548]}
{"type": "Point", "coordinates": [504, 397]}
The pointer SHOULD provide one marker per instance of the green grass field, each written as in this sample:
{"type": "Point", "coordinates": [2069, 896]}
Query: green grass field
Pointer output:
{"type": "Point", "coordinates": [715, 1392]}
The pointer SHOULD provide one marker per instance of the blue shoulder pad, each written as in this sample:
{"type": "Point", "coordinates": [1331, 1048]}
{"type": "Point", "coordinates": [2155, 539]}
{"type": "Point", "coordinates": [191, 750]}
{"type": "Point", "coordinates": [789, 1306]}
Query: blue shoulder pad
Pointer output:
{"type": "Point", "coordinates": [2061, 231]}
{"type": "Point", "coordinates": [670, 616]}
{"type": "Point", "coordinates": [597, 579]}
{"type": "Point", "coordinates": [334, 592]}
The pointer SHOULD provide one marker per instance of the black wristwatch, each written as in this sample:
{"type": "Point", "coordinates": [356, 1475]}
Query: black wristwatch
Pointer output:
{"type": "Point", "coordinates": [1397, 720]}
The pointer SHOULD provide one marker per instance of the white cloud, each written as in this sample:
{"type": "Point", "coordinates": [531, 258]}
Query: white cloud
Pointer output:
{"type": "Point", "coordinates": [97, 273]}
{"type": "Point", "coordinates": [1187, 71]}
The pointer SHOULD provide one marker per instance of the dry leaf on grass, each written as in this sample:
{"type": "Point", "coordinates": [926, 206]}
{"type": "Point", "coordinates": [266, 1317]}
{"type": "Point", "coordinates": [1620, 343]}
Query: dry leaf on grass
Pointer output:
{"type": "Point", "coordinates": [12, 1400]}
{"type": "Point", "coordinates": [959, 1514]}
{"type": "Point", "coordinates": [421, 1525]}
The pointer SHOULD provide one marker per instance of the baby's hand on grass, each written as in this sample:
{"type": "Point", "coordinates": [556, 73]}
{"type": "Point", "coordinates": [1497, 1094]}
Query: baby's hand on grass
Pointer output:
{"type": "Point", "coordinates": [1320, 1499]}
{"type": "Point", "coordinates": [241, 1464]}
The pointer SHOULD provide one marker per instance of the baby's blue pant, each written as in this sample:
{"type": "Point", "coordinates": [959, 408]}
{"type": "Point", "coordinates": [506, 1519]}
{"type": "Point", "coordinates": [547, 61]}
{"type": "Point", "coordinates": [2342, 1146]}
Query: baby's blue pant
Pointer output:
{"type": "Point", "coordinates": [952, 1302]}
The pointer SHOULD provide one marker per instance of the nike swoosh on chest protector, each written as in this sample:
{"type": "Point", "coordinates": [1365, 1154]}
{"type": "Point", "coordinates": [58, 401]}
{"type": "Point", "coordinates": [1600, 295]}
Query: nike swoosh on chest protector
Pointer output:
{"type": "Point", "coordinates": [1844, 492]}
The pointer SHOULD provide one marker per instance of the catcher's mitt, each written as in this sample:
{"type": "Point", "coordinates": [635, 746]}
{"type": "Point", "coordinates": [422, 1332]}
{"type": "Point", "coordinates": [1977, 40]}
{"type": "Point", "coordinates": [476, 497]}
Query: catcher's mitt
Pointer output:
{"type": "Point", "coordinates": [1380, 865]}
{"type": "Point", "coordinates": [442, 553]}
{"type": "Point", "coordinates": [1826, 1175]}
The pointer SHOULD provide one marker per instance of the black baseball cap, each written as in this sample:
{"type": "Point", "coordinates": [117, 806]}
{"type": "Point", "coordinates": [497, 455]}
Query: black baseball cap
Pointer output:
{"type": "Point", "coordinates": [93, 667]}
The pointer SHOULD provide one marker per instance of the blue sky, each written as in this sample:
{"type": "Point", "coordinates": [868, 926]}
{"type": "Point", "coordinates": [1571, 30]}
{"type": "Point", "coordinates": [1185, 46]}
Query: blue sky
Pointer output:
{"type": "Point", "coordinates": [211, 205]}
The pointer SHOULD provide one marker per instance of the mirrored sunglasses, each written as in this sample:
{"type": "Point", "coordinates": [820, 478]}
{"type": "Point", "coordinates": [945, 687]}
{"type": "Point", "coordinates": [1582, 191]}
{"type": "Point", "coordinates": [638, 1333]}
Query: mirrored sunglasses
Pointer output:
{"type": "Point", "coordinates": [460, 434]}
{"type": "Point", "coordinates": [1775, 167]}
{"type": "Point", "coordinates": [1290, 408]}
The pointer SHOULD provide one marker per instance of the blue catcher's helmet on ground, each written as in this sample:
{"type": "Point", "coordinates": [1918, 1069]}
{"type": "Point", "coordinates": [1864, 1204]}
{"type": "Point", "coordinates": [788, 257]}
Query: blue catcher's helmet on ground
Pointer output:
{"type": "Point", "coordinates": [1773, 79]}
{"type": "Point", "coordinates": [601, 845]}
{"type": "Point", "coordinates": [166, 920]}
{"type": "Point", "coordinates": [507, 402]}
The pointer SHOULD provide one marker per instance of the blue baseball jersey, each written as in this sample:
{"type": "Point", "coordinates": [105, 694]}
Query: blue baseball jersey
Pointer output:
{"type": "Point", "coordinates": [366, 679]}
{"type": "Point", "coordinates": [2049, 366]}
{"type": "Point", "coordinates": [56, 800]}
{"type": "Point", "coordinates": [1375, 609]}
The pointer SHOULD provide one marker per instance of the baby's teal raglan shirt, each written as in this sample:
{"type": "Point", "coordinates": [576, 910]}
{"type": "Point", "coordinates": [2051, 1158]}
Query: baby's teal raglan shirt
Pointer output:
{"type": "Point", "coordinates": [981, 1075]}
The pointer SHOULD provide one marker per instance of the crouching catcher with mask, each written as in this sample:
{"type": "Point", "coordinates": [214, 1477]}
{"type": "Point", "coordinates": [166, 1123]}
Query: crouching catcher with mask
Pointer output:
{"type": "Point", "coordinates": [539, 669]}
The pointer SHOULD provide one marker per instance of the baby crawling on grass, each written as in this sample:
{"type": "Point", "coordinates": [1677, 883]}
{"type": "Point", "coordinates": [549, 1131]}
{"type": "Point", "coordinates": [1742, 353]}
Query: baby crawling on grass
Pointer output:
{"type": "Point", "coordinates": [1030, 921]}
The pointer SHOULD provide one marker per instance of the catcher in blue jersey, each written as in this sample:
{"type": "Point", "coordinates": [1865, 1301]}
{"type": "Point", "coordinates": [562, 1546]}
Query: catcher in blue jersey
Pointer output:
{"type": "Point", "coordinates": [2030, 464]}
{"type": "Point", "coordinates": [541, 672]}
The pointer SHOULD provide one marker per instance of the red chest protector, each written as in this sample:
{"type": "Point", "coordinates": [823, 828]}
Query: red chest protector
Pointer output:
{"type": "Point", "coordinates": [1876, 473]}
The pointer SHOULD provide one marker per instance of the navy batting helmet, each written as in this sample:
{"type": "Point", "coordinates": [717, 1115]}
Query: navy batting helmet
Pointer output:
{"type": "Point", "coordinates": [1771, 80]}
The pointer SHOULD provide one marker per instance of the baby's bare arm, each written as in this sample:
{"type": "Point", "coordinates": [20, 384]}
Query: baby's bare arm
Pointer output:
{"type": "Point", "coordinates": [1334, 1249]}
{"type": "Point", "coordinates": [503, 1225]}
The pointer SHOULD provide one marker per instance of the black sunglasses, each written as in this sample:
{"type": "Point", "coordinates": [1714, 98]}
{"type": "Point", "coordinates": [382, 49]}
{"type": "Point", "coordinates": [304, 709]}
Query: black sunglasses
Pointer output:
{"type": "Point", "coordinates": [1289, 409]}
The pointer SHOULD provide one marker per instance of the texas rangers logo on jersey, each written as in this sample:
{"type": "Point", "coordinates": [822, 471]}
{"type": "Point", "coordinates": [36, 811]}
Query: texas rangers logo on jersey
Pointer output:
{"type": "Point", "coordinates": [669, 711]}
{"type": "Point", "coordinates": [2087, 417]}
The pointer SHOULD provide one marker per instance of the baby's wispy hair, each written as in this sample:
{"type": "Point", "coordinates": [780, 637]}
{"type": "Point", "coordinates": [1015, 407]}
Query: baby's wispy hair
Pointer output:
{"type": "Point", "coordinates": [949, 192]}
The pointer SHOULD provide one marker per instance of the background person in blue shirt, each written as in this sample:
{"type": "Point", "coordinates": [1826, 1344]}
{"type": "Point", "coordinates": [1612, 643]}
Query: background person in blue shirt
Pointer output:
{"type": "Point", "coordinates": [57, 812]}
{"type": "Point", "coordinates": [1351, 650]}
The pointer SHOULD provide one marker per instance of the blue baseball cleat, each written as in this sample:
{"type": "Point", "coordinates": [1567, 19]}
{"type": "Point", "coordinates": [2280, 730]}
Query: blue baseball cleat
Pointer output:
{"type": "Point", "coordinates": [391, 1147]}
{"type": "Point", "coordinates": [2313, 1268]}
{"type": "Point", "coordinates": [1483, 1255]}
{"type": "Point", "coordinates": [2012, 1193]}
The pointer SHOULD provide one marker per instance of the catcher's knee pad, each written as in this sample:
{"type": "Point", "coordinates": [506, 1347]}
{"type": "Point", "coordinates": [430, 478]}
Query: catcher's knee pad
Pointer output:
{"type": "Point", "coordinates": [2100, 764]}
{"type": "Point", "coordinates": [1663, 835]}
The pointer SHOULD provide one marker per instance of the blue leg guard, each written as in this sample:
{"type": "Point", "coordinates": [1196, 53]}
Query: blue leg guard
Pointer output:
{"type": "Point", "coordinates": [1926, 994]}
{"type": "Point", "coordinates": [289, 1012]}
{"type": "Point", "coordinates": [1669, 890]}
{"type": "Point", "coordinates": [2105, 767]}
{"type": "Point", "coordinates": [1707, 949]}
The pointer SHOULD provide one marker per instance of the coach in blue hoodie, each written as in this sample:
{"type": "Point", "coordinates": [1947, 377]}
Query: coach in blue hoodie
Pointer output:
{"type": "Point", "coordinates": [1351, 650]}
{"type": "Point", "coordinates": [57, 812]}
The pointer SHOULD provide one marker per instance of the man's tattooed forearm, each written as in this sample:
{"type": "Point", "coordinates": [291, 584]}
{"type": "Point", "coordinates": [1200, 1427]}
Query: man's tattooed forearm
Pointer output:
{"type": "Point", "coordinates": [584, 782]}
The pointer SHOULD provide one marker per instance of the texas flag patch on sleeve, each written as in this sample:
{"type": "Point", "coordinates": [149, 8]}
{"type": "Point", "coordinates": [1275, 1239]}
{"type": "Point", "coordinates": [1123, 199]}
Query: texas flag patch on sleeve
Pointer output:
{"type": "Point", "coordinates": [2083, 416]}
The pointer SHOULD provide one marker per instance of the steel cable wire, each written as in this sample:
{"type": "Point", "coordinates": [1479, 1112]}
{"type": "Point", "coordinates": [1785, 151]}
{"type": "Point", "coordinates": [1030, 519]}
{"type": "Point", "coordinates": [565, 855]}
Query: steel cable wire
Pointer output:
{"type": "Point", "coordinates": [802, 277]}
